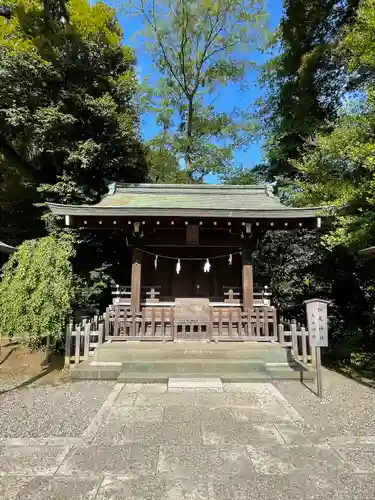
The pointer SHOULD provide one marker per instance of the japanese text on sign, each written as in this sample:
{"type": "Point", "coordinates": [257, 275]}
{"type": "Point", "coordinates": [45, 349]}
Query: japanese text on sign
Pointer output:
{"type": "Point", "coordinates": [317, 323]}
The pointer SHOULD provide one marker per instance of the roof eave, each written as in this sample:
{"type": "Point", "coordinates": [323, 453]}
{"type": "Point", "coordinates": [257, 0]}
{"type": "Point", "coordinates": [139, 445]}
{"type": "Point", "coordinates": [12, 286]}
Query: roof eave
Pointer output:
{"type": "Point", "coordinates": [100, 211]}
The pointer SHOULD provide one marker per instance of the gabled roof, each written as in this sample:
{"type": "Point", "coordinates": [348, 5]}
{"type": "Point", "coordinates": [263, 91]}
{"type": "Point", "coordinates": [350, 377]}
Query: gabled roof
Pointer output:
{"type": "Point", "coordinates": [194, 200]}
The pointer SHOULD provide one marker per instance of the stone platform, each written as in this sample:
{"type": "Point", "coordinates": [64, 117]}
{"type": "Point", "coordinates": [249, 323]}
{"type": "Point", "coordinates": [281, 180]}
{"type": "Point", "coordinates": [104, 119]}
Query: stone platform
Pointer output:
{"type": "Point", "coordinates": [157, 362]}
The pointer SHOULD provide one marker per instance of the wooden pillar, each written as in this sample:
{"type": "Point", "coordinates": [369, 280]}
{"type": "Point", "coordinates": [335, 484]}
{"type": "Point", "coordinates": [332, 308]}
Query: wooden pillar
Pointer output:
{"type": "Point", "coordinates": [135, 297]}
{"type": "Point", "coordinates": [247, 280]}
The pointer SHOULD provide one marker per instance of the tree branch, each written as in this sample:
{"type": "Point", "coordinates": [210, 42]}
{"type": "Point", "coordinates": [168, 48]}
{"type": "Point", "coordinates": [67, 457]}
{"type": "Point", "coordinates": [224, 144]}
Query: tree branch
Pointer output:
{"type": "Point", "coordinates": [5, 11]}
{"type": "Point", "coordinates": [16, 158]}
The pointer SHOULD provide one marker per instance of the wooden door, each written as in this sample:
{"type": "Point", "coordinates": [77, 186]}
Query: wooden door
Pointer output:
{"type": "Point", "coordinates": [202, 281]}
{"type": "Point", "coordinates": [182, 283]}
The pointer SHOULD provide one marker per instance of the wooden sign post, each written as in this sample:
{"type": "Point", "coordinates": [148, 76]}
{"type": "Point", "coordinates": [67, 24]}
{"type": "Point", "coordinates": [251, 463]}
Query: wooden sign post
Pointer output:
{"type": "Point", "coordinates": [316, 310]}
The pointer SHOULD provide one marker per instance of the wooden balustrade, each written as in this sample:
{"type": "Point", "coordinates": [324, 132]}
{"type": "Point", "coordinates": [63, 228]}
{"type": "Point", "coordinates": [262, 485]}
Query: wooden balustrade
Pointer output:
{"type": "Point", "coordinates": [230, 295]}
{"type": "Point", "coordinates": [120, 322]}
{"type": "Point", "coordinates": [295, 336]}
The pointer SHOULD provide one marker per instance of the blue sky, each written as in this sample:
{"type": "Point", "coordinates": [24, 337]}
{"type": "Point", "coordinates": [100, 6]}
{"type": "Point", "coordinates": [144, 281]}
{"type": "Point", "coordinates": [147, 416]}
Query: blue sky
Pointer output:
{"type": "Point", "coordinates": [230, 97]}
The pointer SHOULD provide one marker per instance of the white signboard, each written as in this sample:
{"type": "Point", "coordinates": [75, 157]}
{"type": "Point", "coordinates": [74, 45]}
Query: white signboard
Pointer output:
{"type": "Point", "coordinates": [316, 310]}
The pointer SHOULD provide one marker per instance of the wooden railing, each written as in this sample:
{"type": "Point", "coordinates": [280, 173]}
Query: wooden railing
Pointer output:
{"type": "Point", "coordinates": [159, 323]}
{"type": "Point", "coordinates": [230, 294]}
{"type": "Point", "coordinates": [119, 322]}
{"type": "Point", "coordinates": [259, 324]}
{"type": "Point", "coordinates": [123, 293]}
{"type": "Point", "coordinates": [82, 339]}
{"type": "Point", "coordinates": [292, 334]}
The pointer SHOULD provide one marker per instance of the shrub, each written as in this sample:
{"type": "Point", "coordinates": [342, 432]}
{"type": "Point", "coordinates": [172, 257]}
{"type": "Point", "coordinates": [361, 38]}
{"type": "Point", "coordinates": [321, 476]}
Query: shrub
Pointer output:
{"type": "Point", "coordinates": [37, 290]}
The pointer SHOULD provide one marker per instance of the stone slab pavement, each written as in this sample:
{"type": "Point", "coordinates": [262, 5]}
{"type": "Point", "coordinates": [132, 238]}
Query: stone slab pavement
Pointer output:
{"type": "Point", "coordinates": [108, 441]}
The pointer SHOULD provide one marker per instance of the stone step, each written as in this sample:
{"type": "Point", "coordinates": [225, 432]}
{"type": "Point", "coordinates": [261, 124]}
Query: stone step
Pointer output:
{"type": "Point", "coordinates": [130, 351]}
{"type": "Point", "coordinates": [294, 372]}
{"type": "Point", "coordinates": [163, 378]}
{"type": "Point", "coordinates": [194, 366]}
{"type": "Point", "coordinates": [87, 371]}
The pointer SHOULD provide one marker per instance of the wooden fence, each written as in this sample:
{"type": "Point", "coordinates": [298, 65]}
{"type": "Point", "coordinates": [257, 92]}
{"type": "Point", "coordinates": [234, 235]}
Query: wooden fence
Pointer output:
{"type": "Point", "coordinates": [292, 334]}
{"type": "Point", "coordinates": [160, 323]}
{"type": "Point", "coordinates": [119, 322]}
{"type": "Point", "coordinates": [82, 339]}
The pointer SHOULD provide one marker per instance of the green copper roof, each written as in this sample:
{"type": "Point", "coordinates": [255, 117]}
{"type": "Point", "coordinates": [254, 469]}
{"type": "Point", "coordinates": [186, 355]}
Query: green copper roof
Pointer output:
{"type": "Point", "coordinates": [187, 199]}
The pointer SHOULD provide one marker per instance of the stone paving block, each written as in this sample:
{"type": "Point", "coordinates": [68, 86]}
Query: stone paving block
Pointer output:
{"type": "Point", "coordinates": [276, 414]}
{"type": "Point", "coordinates": [48, 488]}
{"type": "Point", "coordinates": [234, 399]}
{"type": "Point", "coordinates": [144, 388]}
{"type": "Point", "coordinates": [121, 418]}
{"type": "Point", "coordinates": [169, 398]}
{"type": "Point", "coordinates": [361, 457]}
{"type": "Point", "coordinates": [200, 460]}
{"type": "Point", "coordinates": [252, 400]}
{"type": "Point", "coordinates": [251, 387]}
{"type": "Point", "coordinates": [96, 423]}
{"type": "Point", "coordinates": [39, 460]}
{"type": "Point", "coordinates": [155, 433]}
{"type": "Point", "coordinates": [211, 399]}
{"type": "Point", "coordinates": [127, 414]}
{"type": "Point", "coordinates": [125, 398]}
{"type": "Point", "coordinates": [94, 460]}
{"type": "Point", "coordinates": [260, 487]}
{"type": "Point", "coordinates": [182, 414]}
{"type": "Point", "coordinates": [109, 432]}
{"type": "Point", "coordinates": [292, 433]}
{"type": "Point", "coordinates": [284, 459]}
{"type": "Point", "coordinates": [240, 433]}
{"type": "Point", "coordinates": [194, 383]}
{"type": "Point", "coordinates": [152, 488]}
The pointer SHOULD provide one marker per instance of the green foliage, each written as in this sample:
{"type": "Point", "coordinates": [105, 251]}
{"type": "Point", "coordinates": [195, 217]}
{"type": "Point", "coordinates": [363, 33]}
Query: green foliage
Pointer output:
{"type": "Point", "coordinates": [305, 81]}
{"type": "Point", "coordinates": [338, 169]}
{"type": "Point", "coordinates": [242, 176]}
{"type": "Point", "coordinates": [68, 117]}
{"type": "Point", "coordinates": [318, 120]}
{"type": "Point", "coordinates": [37, 289]}
{"type": "Point", "coordinates": [338, 172]}
{"type": "Point", "coordinates": [199, 48]}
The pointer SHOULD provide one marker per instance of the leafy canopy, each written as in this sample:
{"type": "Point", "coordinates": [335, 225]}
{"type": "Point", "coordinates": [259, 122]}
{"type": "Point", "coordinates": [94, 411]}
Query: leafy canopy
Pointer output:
{"type": "Point", "coordinates": [199, 48]}
{"type": "Point", "coordinates": [338, 170]}
{"type": "Point", "coordinates": [304, 82]}
{"type": "Point", "coordinates": [68, 116]}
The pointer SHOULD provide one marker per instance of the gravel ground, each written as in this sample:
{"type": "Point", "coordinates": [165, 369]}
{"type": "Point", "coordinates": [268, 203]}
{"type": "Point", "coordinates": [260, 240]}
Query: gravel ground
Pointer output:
{"type": "Point", "coordinates": [64, 410]}
{"type": "Point", "coordinates": [347, 408]}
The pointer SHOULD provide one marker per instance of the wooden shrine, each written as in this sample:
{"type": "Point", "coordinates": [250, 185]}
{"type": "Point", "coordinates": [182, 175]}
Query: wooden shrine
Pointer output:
{"type": "Point", "coordinates": [192, 245]}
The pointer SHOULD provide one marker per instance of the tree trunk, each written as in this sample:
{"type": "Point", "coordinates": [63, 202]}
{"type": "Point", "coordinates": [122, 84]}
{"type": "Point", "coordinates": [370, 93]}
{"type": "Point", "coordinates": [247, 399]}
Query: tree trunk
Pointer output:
{"type": "Point", "coordinates": [189, 133]}
{"type": "Point", "coordinates": [48, 348]}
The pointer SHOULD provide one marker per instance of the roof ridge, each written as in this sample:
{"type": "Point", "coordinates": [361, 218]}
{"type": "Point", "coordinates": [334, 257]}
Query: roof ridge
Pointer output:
{"type": "Point", "coordinates": [113, 187]}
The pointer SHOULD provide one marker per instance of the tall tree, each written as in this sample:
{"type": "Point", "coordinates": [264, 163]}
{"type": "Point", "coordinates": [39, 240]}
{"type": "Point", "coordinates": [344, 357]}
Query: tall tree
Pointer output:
{"type": "Point", "coordinates": [68, 118]}
{"type": "Point", "coordinates": [338, 168]}
{"type": "Point", "coordinates": [305, 81]}
{"type": "Point", "coordinates": [199, 47]}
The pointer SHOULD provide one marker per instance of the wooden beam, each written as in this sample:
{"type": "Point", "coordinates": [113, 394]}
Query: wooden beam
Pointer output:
{"type": "Point", "coordinates": [135, 297]}
{"type": "Point", "coordinates": [247, 280]}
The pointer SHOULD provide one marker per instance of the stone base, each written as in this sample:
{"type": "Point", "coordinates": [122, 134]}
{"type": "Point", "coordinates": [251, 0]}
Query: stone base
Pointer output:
{"type": "Point", "coordinates": [151, 362]}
